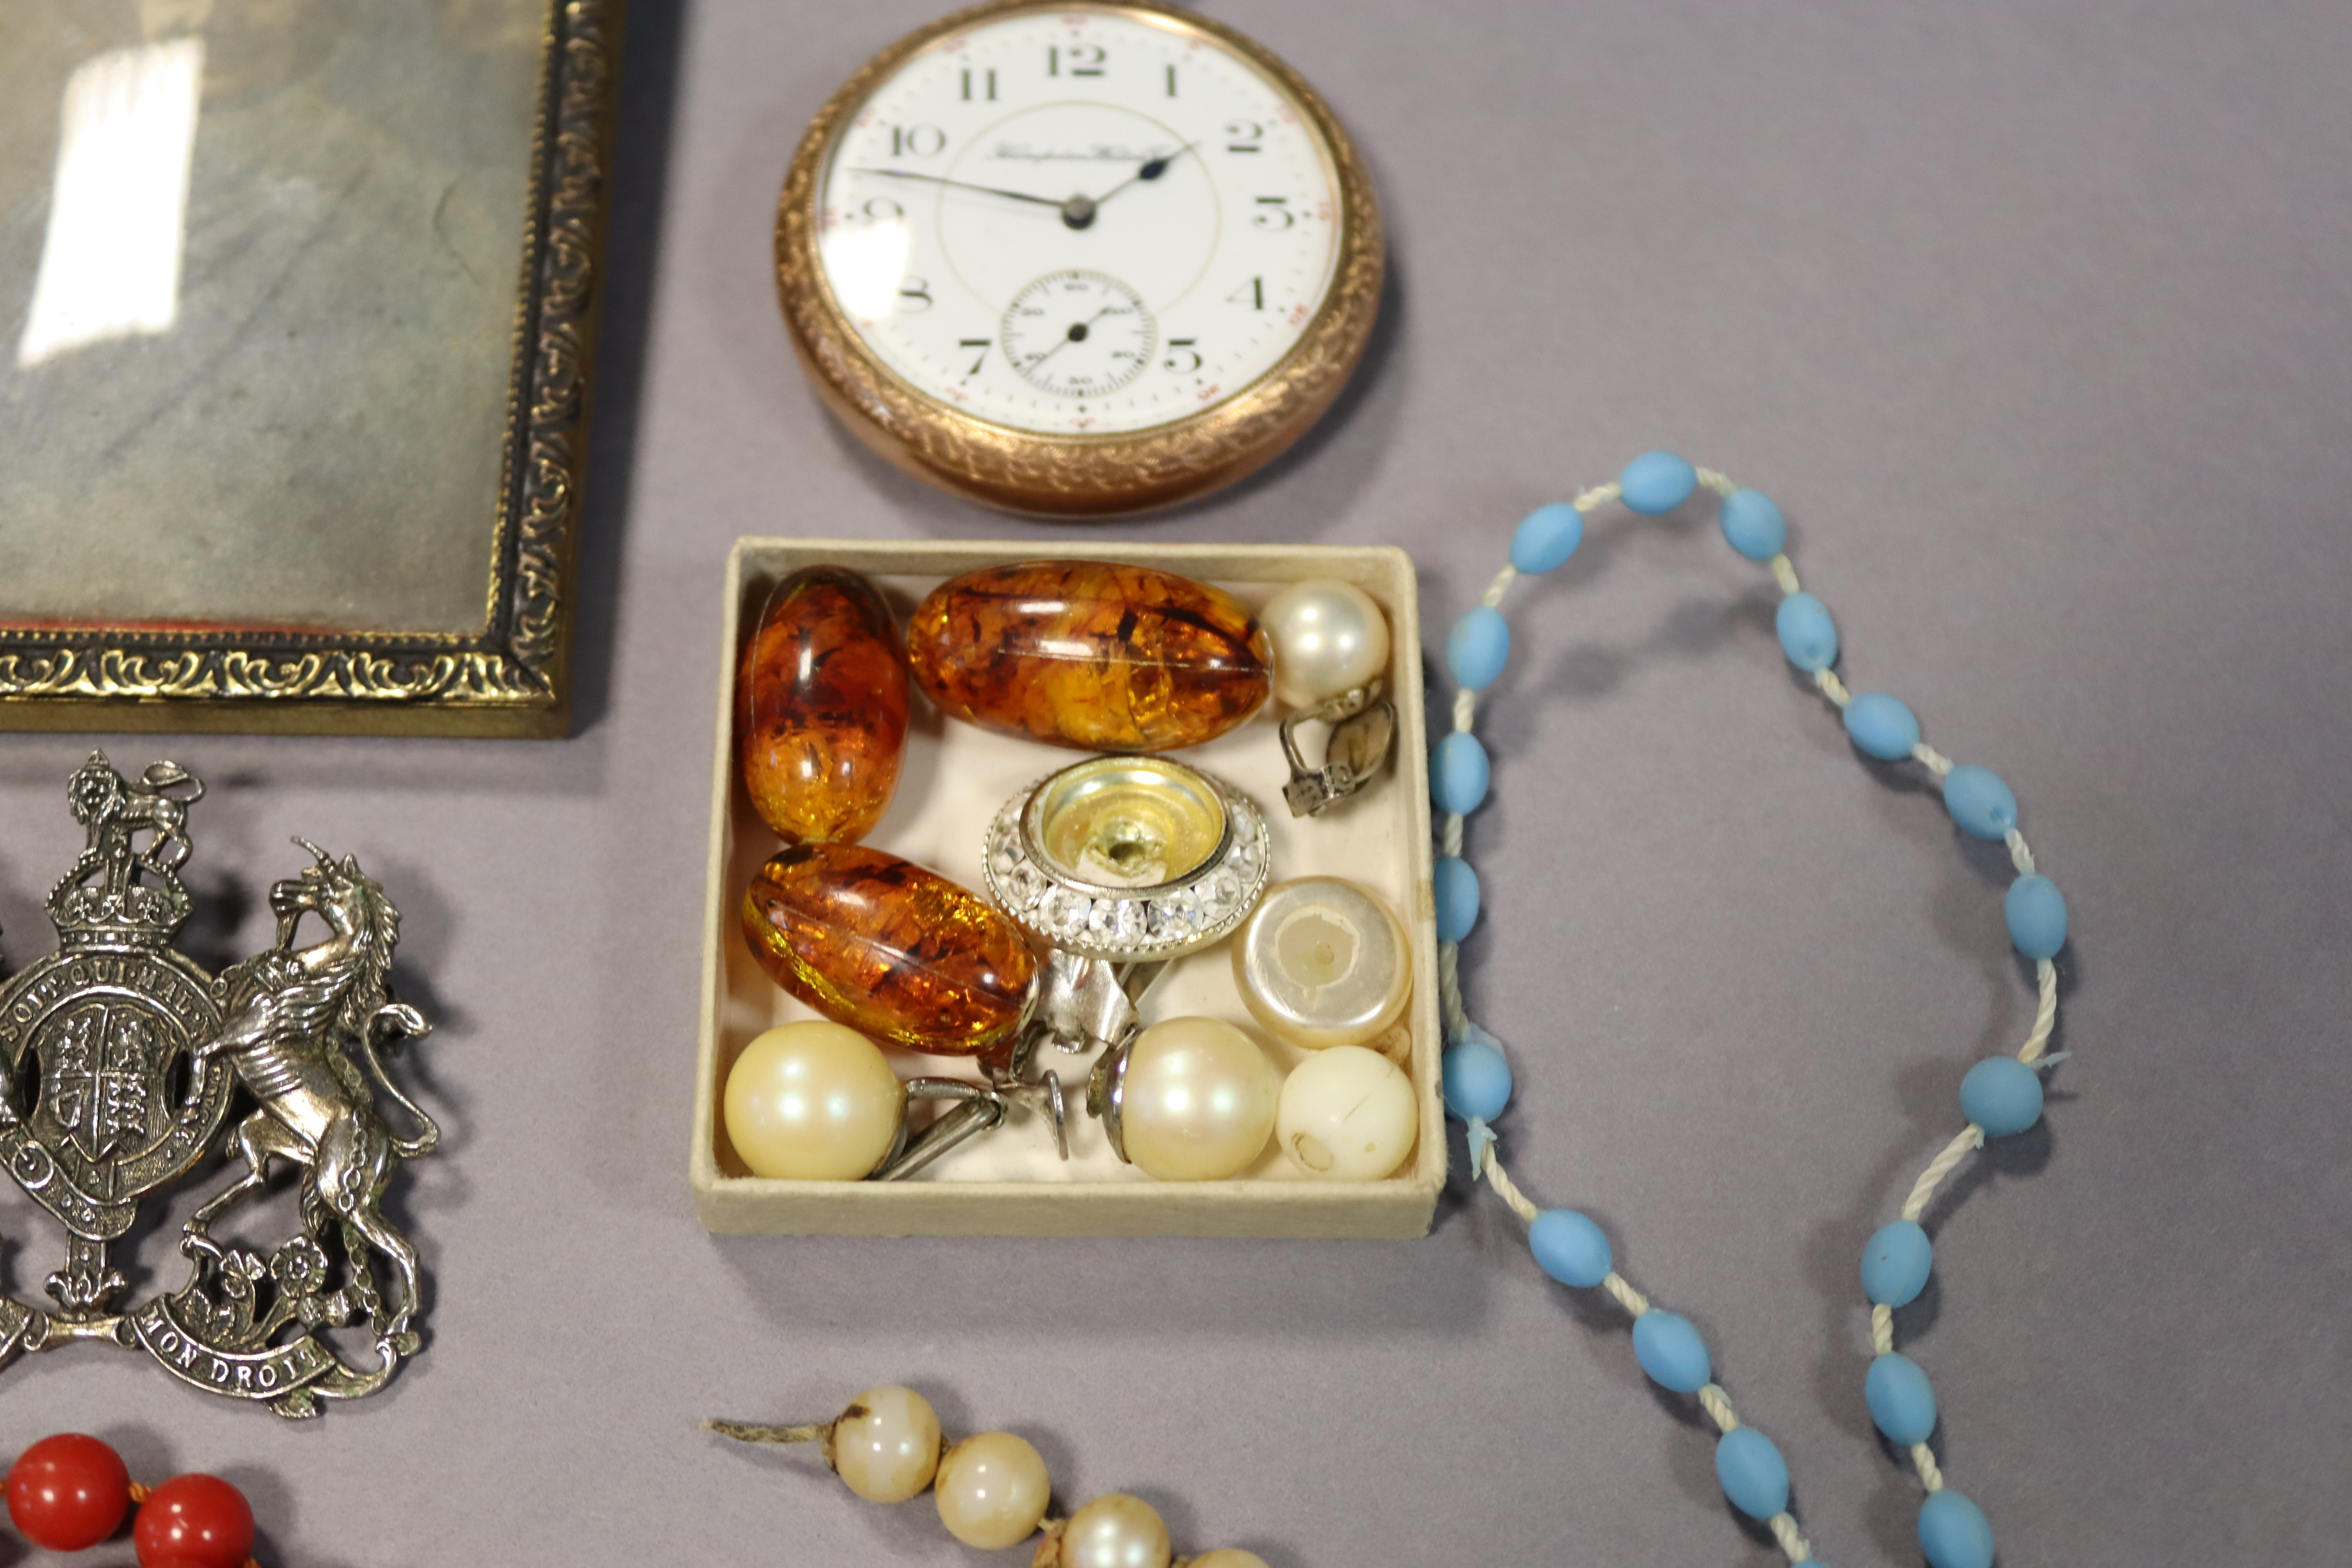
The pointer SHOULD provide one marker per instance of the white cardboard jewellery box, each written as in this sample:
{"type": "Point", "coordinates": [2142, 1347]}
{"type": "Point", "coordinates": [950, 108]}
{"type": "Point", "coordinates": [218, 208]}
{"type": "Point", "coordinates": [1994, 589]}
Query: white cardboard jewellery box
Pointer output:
{"type": "Point", "coordinates": [1011, 1181]}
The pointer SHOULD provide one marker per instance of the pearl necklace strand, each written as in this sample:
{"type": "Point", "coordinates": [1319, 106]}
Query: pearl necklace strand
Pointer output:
{"type": "Point", "coordinates": [2000, 1096]}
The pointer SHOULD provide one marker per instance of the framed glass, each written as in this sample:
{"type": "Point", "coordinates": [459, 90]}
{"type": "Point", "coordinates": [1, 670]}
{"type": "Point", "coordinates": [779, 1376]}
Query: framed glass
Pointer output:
{"type": "Point", "coordinates": [294, 337]}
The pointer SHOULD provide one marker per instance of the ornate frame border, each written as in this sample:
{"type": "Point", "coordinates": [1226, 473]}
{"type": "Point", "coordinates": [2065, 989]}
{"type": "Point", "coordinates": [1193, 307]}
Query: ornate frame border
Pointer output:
{"type": "Point", "coordinates": [513, 676]}
{"type": "Point", "coordinates": [1077, 479]}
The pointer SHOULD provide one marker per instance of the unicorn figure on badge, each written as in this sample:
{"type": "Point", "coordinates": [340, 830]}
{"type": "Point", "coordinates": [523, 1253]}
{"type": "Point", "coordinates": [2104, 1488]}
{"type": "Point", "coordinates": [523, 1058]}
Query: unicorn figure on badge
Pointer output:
{"type": "Point", "coordinates": [296, 1017]}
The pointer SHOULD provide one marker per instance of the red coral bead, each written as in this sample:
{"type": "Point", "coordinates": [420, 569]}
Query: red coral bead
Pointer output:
{"type": "Point", "coordinates": [194, 1521]}
{"type": "Point", "coordinates": [67, 1492]}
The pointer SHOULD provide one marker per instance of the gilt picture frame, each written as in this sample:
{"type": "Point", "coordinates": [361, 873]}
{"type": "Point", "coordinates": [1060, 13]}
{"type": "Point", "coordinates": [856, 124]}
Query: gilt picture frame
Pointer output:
{"type": "Point", "coordinates": [298, 310]}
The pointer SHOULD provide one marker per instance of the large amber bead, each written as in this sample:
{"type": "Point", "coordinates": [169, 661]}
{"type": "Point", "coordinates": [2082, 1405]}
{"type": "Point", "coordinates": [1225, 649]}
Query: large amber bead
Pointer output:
{"type": "Point", "coordinates": [1090, 654]}
{"type": "Point", "coordinates": [821, 707]}
{"type": "Point", "coordinates": [895, 951]}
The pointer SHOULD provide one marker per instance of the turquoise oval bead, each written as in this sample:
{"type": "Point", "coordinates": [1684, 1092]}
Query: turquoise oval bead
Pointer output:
{"type": "Point", "coordinates": [1456, 887]}
{"type": "Point", "coordinates": [1546, 537]}
{"type": "Point", "coordinates": [1979, 801]}
{"type": "Point", "coordinates": [1895, 1261]}
{"type": "Point", "coordinates": [1753, 526]}
{"type": "Point", "coordinates": [1657, 482]}
{"type": "Point", "coordinates": [1807, 635]}
{"type": "Point", "coordinates": [2036, 913]}
{"type": "Point", "coordinates": [1670, 1350]}
{"type": "Point", "coordinates": [2001, 1095]}
{"type": "Point", "coordinates": [1900, 1400]}
{"type": "Point", "coordinates": [1477, 1079]}
{"type": "Point", "coordinates": [1953, 1532]}
{"type": "Point", "coordinates": [1457, 775]}
{"type": "Point", "coordinates": [1753, 1474]}
{"type": "Point", "coordinates": [1881, 727]}
{"type": "Point", "coordinates": [1478, 647]}
{"type": "Point", "coordinates": [1569, 1248]}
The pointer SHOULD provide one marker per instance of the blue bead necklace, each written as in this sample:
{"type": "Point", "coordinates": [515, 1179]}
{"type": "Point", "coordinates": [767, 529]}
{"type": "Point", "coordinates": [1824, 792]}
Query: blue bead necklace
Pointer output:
{"type": "Point", "coordinates": [2000, 1096]}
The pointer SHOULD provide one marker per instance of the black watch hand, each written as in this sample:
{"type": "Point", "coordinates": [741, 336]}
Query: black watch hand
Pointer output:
{"type": "Point", "coordinates": [1152, 169]}
{"type": "Point", "coordinates": [1076, 334]}
{"type": "Point", "coordinates": [1078, 212]}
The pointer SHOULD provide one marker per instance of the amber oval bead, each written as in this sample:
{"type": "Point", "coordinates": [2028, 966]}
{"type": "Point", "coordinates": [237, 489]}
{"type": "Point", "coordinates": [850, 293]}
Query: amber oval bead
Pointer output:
{"type": "Point", "coordinates": [895, 951]}
{"type": "Point", "coordinates": [821, 707]}
{"type": "Point", "coordinates": [1090, 654]}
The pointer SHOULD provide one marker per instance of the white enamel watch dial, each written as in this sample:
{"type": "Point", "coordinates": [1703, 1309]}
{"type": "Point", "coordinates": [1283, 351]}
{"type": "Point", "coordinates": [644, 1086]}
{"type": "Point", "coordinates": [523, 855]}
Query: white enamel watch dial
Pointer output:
{"type": "Point", "coordinates": [1020, 175]}
{"type": "Point", "coordinates": [1078, 259]}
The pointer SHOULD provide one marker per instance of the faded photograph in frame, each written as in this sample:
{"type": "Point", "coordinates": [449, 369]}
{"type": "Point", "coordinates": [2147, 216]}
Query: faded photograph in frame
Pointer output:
{"type": "Point", "coordinates": [297, 316]}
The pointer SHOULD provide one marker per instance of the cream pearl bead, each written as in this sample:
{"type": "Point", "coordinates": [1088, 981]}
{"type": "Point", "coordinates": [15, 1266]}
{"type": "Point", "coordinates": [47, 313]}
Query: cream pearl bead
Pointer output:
{"type": "Point", "coordinates": [885, 1444]}
{"type": "Point", "coordinates": [1226, 1557]}
{"type": "Point", "coordinates": [1328, 638]}
{"type": "Point", "coordinates": [1199, 1100]}
{"type": "Point", "coordinates": [1348, 1115]}
{"type": "Point", "coordinates": [813, 1102]}
{"type": "Point", "coordinates": [993, 1490]}
{"type": "Point", "coordinates": [1115, 1531]}
{"type": "Point", "coordinates": [1323, 962]}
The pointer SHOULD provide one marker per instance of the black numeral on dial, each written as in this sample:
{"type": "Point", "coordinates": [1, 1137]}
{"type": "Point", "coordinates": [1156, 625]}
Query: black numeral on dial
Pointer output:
{"type": "Point", "coordinates": [1082, 59]}
{"type": "Point", "coordinates": [921, 141]}
{"type": "Point", "coordinates": [1252, 294]}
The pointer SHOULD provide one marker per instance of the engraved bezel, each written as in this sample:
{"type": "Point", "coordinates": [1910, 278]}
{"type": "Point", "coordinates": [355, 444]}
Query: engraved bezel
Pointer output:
{"type": "Point", "coordinates": [1077, 478]}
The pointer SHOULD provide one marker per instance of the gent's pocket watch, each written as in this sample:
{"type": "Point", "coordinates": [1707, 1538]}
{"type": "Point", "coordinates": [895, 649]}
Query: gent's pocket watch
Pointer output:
{"type": "Point", "coordinates": [1078, 259]}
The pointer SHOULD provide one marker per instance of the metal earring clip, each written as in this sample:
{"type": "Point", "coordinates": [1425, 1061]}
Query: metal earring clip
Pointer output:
{"type": "Point", "coordinates": [1107, 1096]}
{"type": "Point", "coordinates": [1086, 1004]}
{"type": "Point", "coordinates": [975, 1108]}
{"type": "Point", "coordinates": [1363, 731]}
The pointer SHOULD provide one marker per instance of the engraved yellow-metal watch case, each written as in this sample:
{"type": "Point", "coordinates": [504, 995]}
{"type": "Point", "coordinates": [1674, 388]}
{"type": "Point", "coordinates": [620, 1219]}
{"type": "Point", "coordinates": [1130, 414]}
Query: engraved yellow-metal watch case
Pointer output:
{"type": "Point", "coordinates": [1076, 260]}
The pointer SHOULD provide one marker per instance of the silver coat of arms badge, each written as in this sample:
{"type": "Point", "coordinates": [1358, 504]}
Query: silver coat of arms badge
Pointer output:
{"type": "Point", "coordinates": [123, 1065]}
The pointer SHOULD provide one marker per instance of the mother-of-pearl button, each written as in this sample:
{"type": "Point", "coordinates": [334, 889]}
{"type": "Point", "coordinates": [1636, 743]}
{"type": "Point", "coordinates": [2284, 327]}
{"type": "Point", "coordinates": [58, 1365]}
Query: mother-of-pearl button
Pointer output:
{"type": "Point", "coordinates": [1323, 962]}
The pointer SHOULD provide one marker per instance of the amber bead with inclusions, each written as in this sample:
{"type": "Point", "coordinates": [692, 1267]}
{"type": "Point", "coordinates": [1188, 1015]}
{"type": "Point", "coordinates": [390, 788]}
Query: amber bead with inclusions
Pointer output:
{"type": "Point", "coordinates": [898, 952]}
{"type": "Point", "coordinates": [1090, 654]}
{"type": "Point", "coordinates": [821, 707]}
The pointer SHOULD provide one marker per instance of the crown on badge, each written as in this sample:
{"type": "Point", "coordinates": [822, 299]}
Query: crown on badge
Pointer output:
{"type": "Point", "coordinates": [121, 893]}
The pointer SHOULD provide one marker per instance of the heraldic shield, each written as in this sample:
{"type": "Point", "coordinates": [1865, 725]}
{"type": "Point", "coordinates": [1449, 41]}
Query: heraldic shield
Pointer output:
{"type": "Point", "coordinates": [121, 1063]}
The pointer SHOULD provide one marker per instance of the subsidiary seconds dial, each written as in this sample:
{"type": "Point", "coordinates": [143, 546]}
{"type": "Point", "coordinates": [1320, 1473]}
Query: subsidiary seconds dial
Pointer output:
{"type": "Point", "coordinates": [1078, 335]}
{"type": "Point", "coordinates": [1072, 223]}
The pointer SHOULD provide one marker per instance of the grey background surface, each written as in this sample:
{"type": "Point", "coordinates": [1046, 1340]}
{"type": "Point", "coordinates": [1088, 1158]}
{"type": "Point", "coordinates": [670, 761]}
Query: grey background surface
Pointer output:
{"type": "Point", "coordinates": [2035, 319]}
